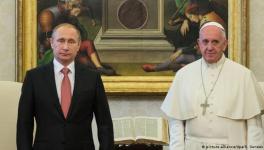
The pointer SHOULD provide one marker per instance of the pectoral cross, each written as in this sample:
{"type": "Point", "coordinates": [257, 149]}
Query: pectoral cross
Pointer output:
{"type": "Point", "coordinates": [204, 105]}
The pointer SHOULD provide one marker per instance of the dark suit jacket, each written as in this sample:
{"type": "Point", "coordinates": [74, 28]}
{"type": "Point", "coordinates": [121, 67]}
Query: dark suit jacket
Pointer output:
{"type": "Point", "coordinates": [39, 100]}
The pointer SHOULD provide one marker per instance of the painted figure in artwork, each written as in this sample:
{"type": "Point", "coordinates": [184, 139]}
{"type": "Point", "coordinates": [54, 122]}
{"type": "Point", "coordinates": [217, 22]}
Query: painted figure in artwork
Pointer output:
{"type": "Point", "coordinates": [66, 11]}
{"type": "Point", "coordinates": [185, 22]}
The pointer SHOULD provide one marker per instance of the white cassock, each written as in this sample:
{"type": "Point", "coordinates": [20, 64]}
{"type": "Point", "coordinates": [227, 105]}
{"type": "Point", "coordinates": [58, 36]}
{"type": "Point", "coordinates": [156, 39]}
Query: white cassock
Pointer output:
{"type": "Point", "coordinates": [232, 119]}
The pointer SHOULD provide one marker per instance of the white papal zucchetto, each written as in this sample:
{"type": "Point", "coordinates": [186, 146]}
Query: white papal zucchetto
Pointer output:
{"type": "Point", "coordinates": [212, 24]}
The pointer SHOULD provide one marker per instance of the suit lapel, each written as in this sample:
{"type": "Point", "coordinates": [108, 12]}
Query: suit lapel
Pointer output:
{"type": "Point", "coordinates": [50, 80]}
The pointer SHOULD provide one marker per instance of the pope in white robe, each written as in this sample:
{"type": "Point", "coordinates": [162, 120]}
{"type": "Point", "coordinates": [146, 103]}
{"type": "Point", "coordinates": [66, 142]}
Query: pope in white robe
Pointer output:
{"type": "Point", "coordinates": [214, 103]}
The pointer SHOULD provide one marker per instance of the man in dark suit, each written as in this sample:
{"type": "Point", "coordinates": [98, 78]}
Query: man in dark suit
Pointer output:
{"type": "Point", "coordinates": [62, 97]}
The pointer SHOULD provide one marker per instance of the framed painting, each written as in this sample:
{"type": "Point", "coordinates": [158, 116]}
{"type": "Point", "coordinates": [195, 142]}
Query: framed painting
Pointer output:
{"type": "Point", "coordinates": [137, 45]}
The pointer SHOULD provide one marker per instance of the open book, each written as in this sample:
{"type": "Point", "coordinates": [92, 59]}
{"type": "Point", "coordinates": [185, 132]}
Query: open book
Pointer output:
{"type": "Point", "coordinates": [141, 129]}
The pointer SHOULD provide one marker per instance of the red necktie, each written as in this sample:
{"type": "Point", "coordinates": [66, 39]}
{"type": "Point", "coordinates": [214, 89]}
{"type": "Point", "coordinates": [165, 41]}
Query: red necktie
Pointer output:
{"type": "Point", "coordinates": [65, 92]}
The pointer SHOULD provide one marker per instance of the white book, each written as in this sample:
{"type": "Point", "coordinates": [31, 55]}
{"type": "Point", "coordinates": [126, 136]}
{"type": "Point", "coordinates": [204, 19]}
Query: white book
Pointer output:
{"type": "Point", "coordinates": [141, 129]}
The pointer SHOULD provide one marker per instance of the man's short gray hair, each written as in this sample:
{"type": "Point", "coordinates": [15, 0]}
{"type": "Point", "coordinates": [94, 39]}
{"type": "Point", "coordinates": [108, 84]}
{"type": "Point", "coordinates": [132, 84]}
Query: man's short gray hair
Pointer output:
{"type": "Point", "coordinates": [69, 26]}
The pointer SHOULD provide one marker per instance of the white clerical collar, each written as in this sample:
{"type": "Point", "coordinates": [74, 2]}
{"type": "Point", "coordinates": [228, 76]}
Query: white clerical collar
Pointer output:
{"type": "Point", "coordinates": [58, 66]}
{"type": "Point", "coordinates": [214, 65]}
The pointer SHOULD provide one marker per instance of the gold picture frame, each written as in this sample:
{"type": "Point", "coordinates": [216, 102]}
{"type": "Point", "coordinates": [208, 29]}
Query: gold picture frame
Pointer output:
{"type": "Point", "coordinates": [128, 85]}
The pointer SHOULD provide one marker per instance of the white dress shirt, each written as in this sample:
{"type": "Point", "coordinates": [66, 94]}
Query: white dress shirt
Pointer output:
{"type": "Point", "coordinates": [59, 76]}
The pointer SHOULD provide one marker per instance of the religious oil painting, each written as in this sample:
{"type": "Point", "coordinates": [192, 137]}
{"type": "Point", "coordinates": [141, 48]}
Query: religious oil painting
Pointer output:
{"type": "Point", "coordinates": [137, 45]}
